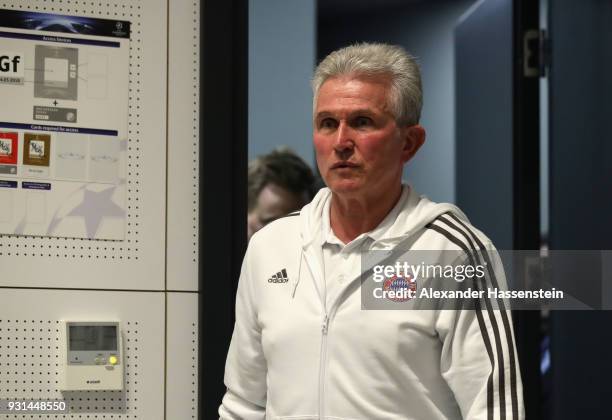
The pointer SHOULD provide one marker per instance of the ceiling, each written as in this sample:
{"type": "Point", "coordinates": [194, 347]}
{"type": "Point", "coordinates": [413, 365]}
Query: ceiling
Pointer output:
{"type": "Point", "coordinates": [330, 8]}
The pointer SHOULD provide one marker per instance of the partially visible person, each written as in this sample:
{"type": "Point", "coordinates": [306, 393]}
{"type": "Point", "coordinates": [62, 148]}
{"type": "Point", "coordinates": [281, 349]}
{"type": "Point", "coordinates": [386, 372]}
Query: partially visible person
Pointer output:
{"type": "Point", "coordinates": [279, 183]}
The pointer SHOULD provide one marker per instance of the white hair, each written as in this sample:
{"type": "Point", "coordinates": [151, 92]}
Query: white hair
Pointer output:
{"type": "Point", "coordinates": [378, 60]}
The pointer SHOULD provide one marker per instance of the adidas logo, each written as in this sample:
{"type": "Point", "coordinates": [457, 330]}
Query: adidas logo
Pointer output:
{"type": "Point", "coordinates": [280, 277]}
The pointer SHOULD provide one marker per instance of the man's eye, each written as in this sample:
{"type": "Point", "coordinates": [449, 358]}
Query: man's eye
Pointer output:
{"type": "Point", "coordinates": [328, 123]}
{"type": "Point", "coordinates": [362, 122]}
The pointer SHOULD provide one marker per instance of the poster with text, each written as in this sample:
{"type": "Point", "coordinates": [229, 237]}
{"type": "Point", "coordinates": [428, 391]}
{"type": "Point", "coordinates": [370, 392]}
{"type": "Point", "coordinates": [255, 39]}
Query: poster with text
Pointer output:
{"type": "Point", "coordinates": [63, 125]}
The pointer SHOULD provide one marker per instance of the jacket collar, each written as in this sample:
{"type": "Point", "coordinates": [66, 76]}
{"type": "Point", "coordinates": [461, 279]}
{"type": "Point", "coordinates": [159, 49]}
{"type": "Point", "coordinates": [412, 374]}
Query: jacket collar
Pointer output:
{"type": "Point", "coordinates": [411, 213]}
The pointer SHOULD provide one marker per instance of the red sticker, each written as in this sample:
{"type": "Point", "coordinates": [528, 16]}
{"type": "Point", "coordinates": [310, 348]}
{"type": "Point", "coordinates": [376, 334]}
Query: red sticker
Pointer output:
{"type": "Point", "coordinates": [8, 148]}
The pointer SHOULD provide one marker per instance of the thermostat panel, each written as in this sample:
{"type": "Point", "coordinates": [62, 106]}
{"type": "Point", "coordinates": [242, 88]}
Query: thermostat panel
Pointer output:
{"type": "Point", "coordinates": [93, 356]}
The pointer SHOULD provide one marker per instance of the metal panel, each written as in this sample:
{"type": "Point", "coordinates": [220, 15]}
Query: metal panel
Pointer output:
{"type": "Point", "coordinates": [30, 349]}
{"type": "Point", "coordinates": [182, 356]}
{"type": "Point", "coordinates": [580, 110]}
{"type": "Point", "coordinates": [183, 144]}
{"type": "Point", "coordinates": [137, 262]}
{"type": "Point", "coordinates": [484, 125]}
{"type": "Point", "coordinates": [580, 186]}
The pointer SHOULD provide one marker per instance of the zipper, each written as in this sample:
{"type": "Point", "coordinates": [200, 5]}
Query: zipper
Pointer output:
{"type": "Point", "coordinates": [324, 328]}
{"type": "Point", "coordinates": [327, 315]}
{"type": "Point", "coordinates": [322, 365]}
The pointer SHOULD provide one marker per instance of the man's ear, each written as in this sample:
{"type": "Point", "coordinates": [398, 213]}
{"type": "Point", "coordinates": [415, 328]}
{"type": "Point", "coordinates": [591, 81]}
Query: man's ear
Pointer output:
{"type": "Point", "coordinates": [413, 137]}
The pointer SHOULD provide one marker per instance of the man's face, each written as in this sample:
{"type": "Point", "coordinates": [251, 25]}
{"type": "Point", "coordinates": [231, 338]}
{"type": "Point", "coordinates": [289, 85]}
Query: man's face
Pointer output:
{"type": "Point", "coordinates": [273, 202]}
{"type": "Point", "coordinates": [359, 146]}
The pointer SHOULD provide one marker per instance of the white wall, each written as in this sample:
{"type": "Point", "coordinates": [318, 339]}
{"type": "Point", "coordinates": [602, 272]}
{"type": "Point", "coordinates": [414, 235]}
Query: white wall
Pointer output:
{"type": "Point", "coordinates": [148, 281]}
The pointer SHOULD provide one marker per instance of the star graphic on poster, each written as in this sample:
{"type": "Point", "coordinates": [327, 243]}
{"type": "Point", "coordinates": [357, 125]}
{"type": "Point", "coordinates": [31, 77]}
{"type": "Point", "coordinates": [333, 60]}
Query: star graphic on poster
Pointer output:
{"type": "Point", "coordinates": [95, 207]}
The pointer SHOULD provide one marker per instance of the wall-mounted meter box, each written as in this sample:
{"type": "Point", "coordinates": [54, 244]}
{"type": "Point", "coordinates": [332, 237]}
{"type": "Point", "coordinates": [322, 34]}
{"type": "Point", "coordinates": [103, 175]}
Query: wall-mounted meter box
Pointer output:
{"type": "Point", "coordinates": [93, 356]}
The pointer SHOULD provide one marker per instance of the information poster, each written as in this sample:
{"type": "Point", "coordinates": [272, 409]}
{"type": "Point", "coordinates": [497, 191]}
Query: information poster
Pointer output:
{"type": "Point", "coordinates": [63, 125]}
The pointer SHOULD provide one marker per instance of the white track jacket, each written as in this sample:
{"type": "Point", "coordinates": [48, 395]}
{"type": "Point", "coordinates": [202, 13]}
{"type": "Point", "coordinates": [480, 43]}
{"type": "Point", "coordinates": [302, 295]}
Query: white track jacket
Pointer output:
{"type": "Point", "coordinates": [296, 356]}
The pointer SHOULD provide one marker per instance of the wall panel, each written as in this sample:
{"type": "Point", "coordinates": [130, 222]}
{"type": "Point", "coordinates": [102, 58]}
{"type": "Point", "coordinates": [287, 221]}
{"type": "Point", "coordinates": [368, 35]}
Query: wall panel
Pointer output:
{"type": "Point", "coordinates": [183, 144]}
{"type": "Point", "coordinates": [46, 280]}
{"type": "Point", "coordinates": [182, 356]}
{"type": "Point", "coordinates": [30, 349]}
{"type": "Point", "coordinates": [138, 261]}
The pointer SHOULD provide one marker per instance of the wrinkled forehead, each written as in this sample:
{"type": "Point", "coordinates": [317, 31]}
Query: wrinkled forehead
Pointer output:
{"type": "Point", "coordinates": [381, 79]}
{"type": "Point", "coordinates": [353, 91]}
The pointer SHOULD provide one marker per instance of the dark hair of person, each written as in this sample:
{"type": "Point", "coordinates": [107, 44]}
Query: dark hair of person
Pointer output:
{"type": "Point", "coordinates": [283, 168]}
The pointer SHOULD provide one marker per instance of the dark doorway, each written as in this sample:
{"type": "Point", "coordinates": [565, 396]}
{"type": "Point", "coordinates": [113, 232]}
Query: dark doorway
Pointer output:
{"type": "Point", "coordinates": [223, 168]}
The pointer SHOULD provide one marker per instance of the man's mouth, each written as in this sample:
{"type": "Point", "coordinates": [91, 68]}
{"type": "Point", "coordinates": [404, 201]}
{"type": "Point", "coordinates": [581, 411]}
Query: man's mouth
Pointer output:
{"type": "Point", "coordinates": [342, 165]}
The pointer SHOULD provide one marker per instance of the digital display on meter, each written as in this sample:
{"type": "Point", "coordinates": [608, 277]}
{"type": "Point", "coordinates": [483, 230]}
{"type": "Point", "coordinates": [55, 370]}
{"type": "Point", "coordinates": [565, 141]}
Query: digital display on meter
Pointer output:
{"type": "Point", "coordinates": [93, 337]}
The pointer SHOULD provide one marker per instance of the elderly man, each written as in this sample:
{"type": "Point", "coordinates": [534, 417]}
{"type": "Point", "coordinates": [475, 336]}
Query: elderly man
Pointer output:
{"type": "Point", "coordinates": [303, 347]}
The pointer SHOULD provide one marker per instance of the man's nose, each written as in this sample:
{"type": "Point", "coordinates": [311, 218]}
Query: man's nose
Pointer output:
{"type": "Point", "coordinates": [344, 138]}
